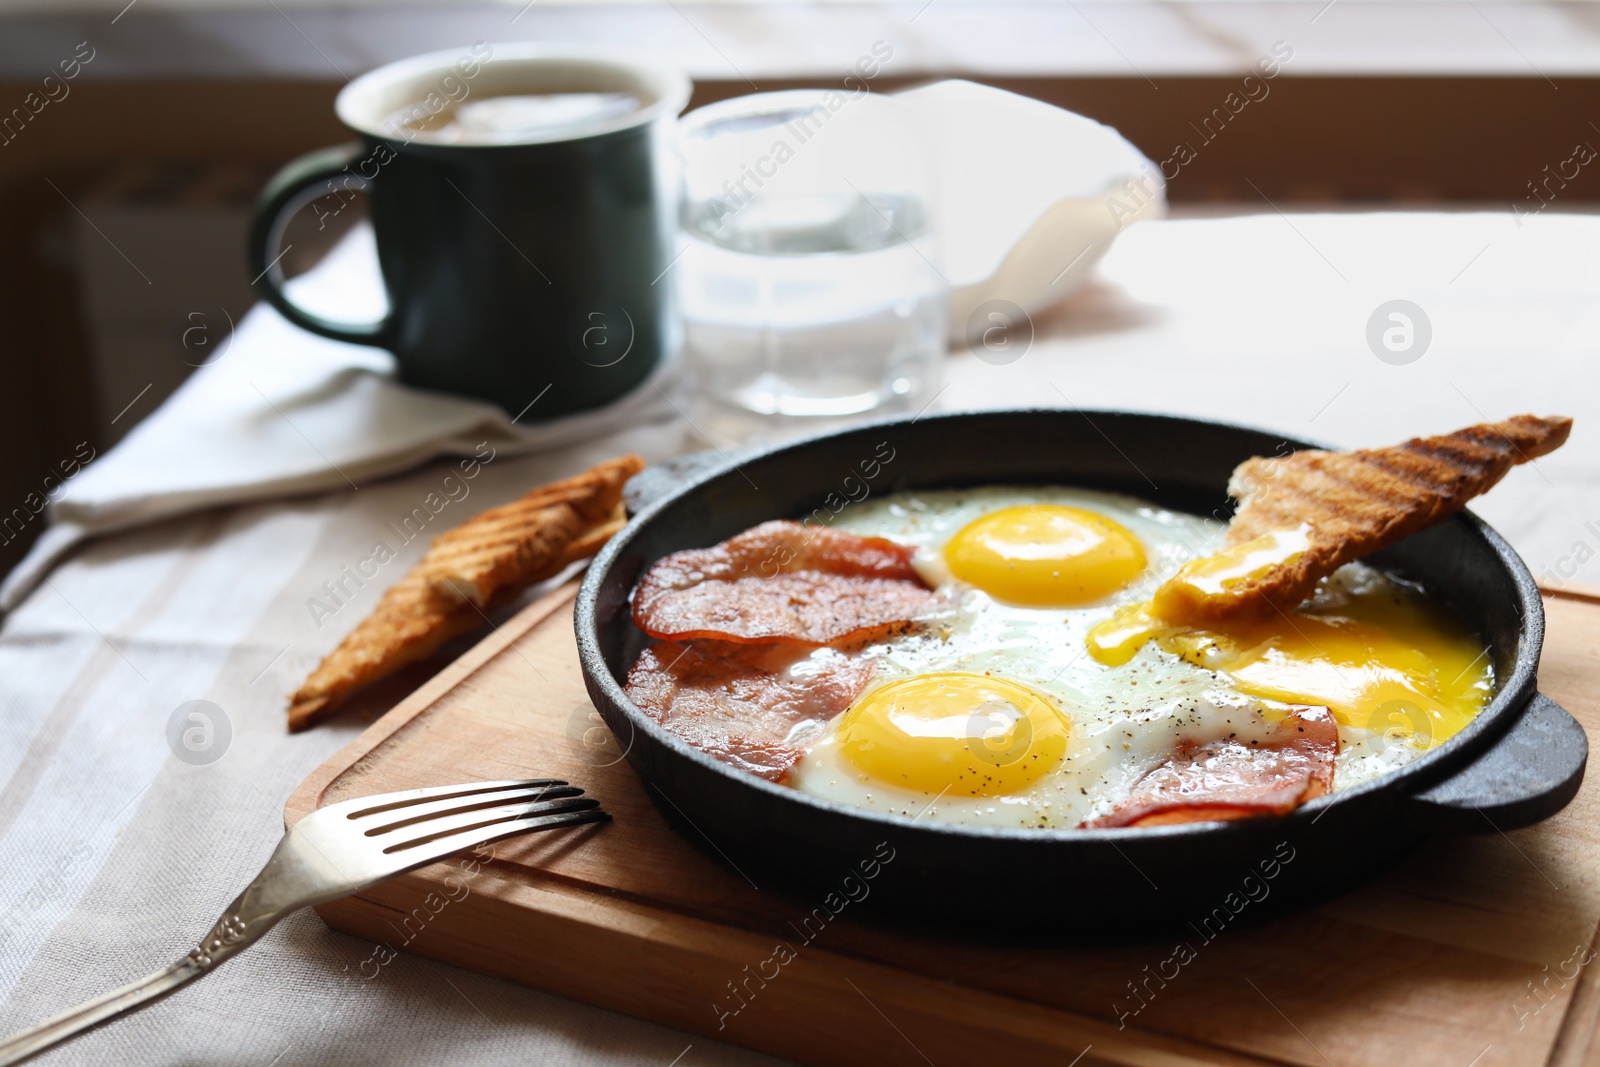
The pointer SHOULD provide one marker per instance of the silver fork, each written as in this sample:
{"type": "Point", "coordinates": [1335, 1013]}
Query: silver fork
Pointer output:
{"type": "Point", "coordinates": [331, 853]}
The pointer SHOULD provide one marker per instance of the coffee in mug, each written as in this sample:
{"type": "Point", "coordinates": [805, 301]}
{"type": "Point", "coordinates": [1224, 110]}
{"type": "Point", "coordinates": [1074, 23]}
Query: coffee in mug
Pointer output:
{"type": "Point", "coordinates": [508, 119]}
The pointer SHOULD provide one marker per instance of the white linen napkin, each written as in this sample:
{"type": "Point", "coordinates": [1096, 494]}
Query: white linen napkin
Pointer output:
{"type": "Point", "coordinates": [281, 412]}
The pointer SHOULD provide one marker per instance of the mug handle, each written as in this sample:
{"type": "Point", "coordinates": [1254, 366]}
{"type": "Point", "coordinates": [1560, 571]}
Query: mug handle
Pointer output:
{"type": "Point", "coordinates": [292, 188]}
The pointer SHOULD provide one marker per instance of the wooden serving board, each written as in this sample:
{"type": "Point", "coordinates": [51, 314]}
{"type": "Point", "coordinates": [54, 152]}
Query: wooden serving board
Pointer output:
{"type": "Point", "coordinates": [1473, 953]}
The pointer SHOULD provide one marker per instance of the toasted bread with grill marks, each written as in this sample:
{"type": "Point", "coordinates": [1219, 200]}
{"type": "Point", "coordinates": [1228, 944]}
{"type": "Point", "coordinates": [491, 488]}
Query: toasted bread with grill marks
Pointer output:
{"type": "Point", "coordinates": [511, 545]}
{"type": "Point", "coordinates": [1356, 503]}
{"type": "Point", "coordinates": [409, 624]}
{"type": "Point", "coordinates": [588, 542]}
{"type": "Point", "coordinates": [495, 555]}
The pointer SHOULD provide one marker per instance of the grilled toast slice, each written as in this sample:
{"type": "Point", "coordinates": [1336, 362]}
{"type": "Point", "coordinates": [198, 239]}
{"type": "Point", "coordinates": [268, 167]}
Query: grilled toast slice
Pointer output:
{"type": "Point", "coordinates": [1303, 516]}
{"type": "Point", "coordinates": [467, 573]}
{"type": "Point", "coordinates": [409, 624]}
{"type": "Point", "coordinates": [511, 544]}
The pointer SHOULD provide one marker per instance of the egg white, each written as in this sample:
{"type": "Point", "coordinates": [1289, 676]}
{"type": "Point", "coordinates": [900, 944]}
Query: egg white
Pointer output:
{"type": "Point", "coordinates": [1125, 720]}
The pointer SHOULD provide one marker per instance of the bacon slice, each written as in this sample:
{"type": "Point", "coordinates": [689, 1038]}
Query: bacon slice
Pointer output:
{"type": "Point", "coordinates": [1232, 779]}
{"type": "Point", "coordinates": [782, 581]}
{"type": "Point", "coordinates": [747, 705]}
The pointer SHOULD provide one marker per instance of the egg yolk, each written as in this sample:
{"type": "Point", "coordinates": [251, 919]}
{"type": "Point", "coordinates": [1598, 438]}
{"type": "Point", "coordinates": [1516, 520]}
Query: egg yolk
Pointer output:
{"type": "Point", "coordinates": [1187, 595]}
{"type": "Point", "coordinates": [1045, 555]}
{"type": "Point", "coordinates": [1380, 658]}
{"type": "Point", "coordinates": [969, 734]}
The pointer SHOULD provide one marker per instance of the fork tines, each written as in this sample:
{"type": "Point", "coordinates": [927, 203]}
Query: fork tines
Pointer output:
{"type": "Point", "coordinates": [443, 819]}
{"type": "Point", "coordinates": [355, 809]}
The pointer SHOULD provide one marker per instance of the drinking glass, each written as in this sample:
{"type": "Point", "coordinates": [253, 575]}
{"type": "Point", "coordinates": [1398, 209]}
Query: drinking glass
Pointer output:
{"type": "Point", "coordinates": [807, 274]}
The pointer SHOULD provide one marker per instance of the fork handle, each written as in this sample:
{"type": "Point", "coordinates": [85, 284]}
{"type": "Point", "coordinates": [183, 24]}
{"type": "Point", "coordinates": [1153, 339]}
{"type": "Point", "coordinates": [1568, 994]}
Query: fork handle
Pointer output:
{"type": "Point", "coordinates": [52, 1032]}
{"type": "Point", "coordinates": [231, 934]}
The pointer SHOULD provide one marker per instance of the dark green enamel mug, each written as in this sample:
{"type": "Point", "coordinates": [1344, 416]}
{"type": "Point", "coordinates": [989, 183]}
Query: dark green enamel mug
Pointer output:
{"type": "Point", "coordinates": [523, 257]}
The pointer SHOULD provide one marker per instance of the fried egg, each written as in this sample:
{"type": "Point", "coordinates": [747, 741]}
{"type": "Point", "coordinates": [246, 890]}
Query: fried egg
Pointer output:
{"type": "Point", "coordinates": [1046, 687]}
{"type": "Point", "coordinates": [1045, 555]}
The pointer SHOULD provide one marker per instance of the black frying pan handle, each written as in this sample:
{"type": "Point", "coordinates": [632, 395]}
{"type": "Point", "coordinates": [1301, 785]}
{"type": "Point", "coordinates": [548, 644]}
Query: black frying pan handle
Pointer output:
{"type": "Point", "coordinates": [1530, 774]}
{"type": "Point", "coordinates": [660, 479]}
